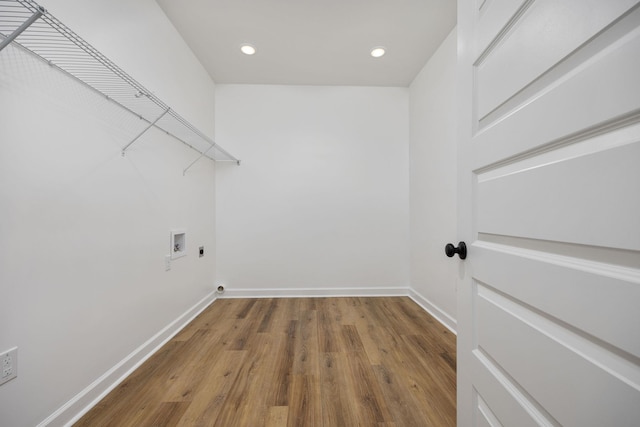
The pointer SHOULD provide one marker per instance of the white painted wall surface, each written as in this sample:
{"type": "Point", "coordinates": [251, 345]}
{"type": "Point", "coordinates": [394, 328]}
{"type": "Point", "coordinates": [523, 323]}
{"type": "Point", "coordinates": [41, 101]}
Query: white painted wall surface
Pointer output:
{"type": "Point", "coordinates": [84, 230]}
{"type": "Point", "coordinates": [433, 186]}
{"type": "Point", "coordinates": [320, 204]}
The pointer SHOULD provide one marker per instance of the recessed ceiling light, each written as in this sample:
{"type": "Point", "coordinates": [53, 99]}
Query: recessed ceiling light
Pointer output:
{"type": "Point", "coordinates": [377, 52]}
{"type": "Point", "coordinates": [247, 49]}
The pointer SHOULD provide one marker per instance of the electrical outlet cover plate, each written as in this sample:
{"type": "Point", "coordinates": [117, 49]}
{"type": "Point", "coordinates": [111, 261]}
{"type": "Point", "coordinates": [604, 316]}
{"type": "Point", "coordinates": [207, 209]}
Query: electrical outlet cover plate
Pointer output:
{"type": "Point", "coordinates": [8, 365]}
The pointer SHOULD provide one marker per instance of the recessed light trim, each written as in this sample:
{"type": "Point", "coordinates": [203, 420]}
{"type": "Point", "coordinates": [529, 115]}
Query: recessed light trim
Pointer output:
{"type": "Point", "coordinates": [247, 49]}
{"type": "Point", "coordinates": [378, 51]}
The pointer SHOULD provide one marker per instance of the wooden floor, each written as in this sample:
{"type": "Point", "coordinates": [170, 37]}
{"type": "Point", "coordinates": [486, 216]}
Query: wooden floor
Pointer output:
{"type": "Point", "coordinates": [337, 362]}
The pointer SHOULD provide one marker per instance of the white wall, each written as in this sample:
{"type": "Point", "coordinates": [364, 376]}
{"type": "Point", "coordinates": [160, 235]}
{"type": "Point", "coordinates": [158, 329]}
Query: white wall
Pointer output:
{"type": "Point", "coordinates": [84, 230]}
{"type": "Point", "coordinates": [433, 182]}
{"type": "Point", "coordinates": [320, 204]}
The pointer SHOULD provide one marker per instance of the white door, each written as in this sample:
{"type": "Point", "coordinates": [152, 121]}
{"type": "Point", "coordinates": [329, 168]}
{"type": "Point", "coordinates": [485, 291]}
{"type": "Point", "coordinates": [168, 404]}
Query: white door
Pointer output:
{"type": "Point", "coordinates": [549, 295]}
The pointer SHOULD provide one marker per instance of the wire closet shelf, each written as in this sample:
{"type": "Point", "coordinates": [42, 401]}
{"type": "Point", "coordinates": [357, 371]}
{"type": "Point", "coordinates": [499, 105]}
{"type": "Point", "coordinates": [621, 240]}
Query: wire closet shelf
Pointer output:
{"type": "Point", "coordinates": [34, 29]}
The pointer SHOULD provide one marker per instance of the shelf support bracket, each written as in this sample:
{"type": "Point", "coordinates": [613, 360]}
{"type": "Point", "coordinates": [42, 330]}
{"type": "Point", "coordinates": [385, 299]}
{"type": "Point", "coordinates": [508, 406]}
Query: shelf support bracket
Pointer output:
{"type": "Point", "coordinates": [26, 24]}
{"type": "Point", "coordinates": [144, 131]}
{"type": "Point", "coordinates": [184, 172]}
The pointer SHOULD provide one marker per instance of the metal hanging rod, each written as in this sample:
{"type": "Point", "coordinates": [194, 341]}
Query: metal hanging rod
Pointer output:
{"type": "Point", "coordinates": [31, 27]}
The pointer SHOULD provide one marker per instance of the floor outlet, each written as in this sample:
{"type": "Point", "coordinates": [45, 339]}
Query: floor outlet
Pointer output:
{"type": "Point", "coordinates": [9, 365]}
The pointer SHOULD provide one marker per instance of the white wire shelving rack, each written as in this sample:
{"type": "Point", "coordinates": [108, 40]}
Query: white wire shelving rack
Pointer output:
{"type": "Point", "coordinates": [30, 26]}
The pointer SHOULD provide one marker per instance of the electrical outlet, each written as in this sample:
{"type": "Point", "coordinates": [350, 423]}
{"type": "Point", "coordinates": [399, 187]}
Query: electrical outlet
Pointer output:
{"type": "Point", "coordinates": [167, 262]}
{"type": "Point", "coordinates": [9, 362]}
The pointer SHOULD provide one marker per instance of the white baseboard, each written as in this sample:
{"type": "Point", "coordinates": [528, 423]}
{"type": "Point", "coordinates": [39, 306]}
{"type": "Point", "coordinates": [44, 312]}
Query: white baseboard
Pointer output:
{"type": "Point", "coordinates": [314, 292]}
{"type": "Point", "coordinates": [442, 317]}
{"type": "Point", "coordinates": [81, 403]}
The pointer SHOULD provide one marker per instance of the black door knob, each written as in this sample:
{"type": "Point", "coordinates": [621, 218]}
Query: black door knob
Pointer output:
{"type": "Point", "coordinates": [451, 250]}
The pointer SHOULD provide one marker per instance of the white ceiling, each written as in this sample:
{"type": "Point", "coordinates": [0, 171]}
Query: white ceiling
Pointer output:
{"type": "Point", "coordinates": [313, 42]}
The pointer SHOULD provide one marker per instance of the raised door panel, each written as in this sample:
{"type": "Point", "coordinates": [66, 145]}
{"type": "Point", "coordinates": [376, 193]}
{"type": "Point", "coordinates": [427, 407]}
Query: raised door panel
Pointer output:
{"type": "Point", "coordinates": [569, 291]}
{"type": "Point", "coordinates": [495, 17]}
{"type": "Point", "coordinates": [534, 41]}
{"type": "Point", "coordinates": [569, 199]}
{"type": "Point", "coordinates": [574, 379]}
{"type": "Point", "coordinates": [592, 91]}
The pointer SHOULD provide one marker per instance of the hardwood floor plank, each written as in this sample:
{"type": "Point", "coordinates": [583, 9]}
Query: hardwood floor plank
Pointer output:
{"type": "Point", "coordinates": [291, 308]}
{"type": "Point", "coordinates": [197, 355]}
{"type": "Point", "coordinates": [266, 323]}
{"type": "Point", "coordinates": [277, 416]}
{"type": "Point", "coordinates": [282, 377]}
{"type": "Point", "coordinates": [351, 339]}
{"type": "Point", "coordinates": [337, 391]}
{"type": "Point", "coordinates": [328, 320]}
{"type": "Point", "coordinates": [305, 349]}
{"type": "Point", "coordinates": [248, 392]}
{"type": "Point", "coordinates": [207, 319]}
{"type": "Point", "coordinates": [349, 310]}
{"type": "Point", "coordinates": [366, 328]}
{"type": "Point", "coordinates": [437, 392]}
{"type": "Point", "coordinates": [404, 408]}
{"type": "Point", "coordinates": [246, 308]}
{"type": "Point", "coordinates": [423, 379]}
{"type": "Point", "coordinates": [304, 402]}
{"type": "Point", "coordinates": [106, 411]}
{"type": "Point", "coordinates": [380, 362]}
{"type": "Point", "coordinates": [372, 312]}
{"type": "Point", "coordinates": [167, 414]}
{"type": "Point", "coordinates": [368, 398]}
{"type": "Point", "coordinates": [210, 399]}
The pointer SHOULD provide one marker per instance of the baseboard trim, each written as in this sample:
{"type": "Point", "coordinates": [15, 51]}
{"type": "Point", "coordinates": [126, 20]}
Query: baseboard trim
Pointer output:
{"type": "Point", "coordinates": [314, 292]}
{"type": "Point", "coordinates": [81, 403]}
{"type": "Point", "coordinates": [442, 317]}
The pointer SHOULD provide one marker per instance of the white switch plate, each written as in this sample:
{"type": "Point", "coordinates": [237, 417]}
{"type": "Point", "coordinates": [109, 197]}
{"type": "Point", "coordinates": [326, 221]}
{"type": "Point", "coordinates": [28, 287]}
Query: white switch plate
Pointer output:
{"type": "Point", "coordinates": [8, 365]}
